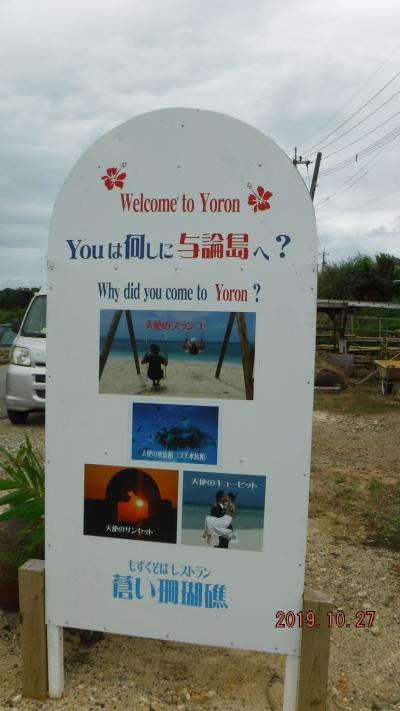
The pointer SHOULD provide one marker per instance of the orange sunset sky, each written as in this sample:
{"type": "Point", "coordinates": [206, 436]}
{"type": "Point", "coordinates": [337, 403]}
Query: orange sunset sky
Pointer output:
{"type": "Point", "coordinates": [97, 477]}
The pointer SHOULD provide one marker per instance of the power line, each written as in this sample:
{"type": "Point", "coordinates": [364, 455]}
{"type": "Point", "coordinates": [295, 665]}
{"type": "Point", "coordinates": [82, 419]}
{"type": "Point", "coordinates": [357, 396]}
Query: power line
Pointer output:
{"type": "Point", "coordinates": [351, 97]}
{"type": "Point", "coordinates": [372, 130]}
{"type": "Point", "coordinates": [376, 199]}
{"type": "Point", "coordinates": [345, 182]}
{"type": "Point", "coordinates": [343, 190]}
{"type": "Point", "coordinates": [365, 152]}
{"type": "Point", "coordinates": [358, 171]}
{"type": "Point", "coordinates": [366, 203]}
{"type": "Point", "coordinates": [387, 138]}
{"type": "Point", "coordinates": [374, 160]}
{"type": "Point", "coordinates": [380, 145]}
{"type": "Point", "coordinates": [308, 150]}
{"type": "Point", "coordinates": [361, 120]}
{"type": "Point", "coordinates": [349, 180]}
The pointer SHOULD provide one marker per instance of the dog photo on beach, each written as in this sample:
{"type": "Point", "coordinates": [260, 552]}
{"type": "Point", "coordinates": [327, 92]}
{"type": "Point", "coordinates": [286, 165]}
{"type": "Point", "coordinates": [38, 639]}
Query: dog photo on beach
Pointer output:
{"type": "Point", "coordinates": [206, 354]}
{"type": "Point", "coordinates": [223, 510]}
{"type": "Point", "coordinates": [175, 433]}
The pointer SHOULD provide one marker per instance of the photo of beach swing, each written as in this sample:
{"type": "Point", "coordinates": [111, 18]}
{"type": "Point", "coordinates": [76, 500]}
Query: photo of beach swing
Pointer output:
{"type": "Point", "coordinates": [197, 354]}
{"type": "Point", "coordinates": [131, 503]}
{"type": "Point", "coordinates": [223, 510]}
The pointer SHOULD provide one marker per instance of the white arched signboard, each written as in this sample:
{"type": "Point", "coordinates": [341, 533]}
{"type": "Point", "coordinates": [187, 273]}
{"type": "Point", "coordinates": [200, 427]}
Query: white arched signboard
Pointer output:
{"type": "Point", "coordinates": [181, 318]}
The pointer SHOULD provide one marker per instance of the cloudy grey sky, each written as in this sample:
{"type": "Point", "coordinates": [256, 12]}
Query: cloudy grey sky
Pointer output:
{"type": "Point", "coordinates": [72, 71]}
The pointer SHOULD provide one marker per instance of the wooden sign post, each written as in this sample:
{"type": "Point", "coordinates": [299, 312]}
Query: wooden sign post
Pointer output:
{"type": "Point", "coordinates": [306, 677]}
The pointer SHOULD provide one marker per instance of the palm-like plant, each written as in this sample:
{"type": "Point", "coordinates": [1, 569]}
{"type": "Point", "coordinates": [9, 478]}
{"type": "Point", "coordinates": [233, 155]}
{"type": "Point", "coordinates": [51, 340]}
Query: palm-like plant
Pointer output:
{"type": "Point", "coordinates": [23, 487]}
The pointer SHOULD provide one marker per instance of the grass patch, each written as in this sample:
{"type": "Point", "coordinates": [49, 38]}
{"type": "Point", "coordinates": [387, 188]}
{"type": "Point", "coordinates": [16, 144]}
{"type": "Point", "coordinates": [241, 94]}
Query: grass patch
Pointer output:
{"type": "Point", "coordinates": [346, 494]}
{"type": "Point", "coordinates": [364, 399]}
{"type": "Point", "coordinates": [382, 514]}
{"type": "Point", "coordinates": [372, 508]}
{"type": "Point", "coordinates": [76, 657]}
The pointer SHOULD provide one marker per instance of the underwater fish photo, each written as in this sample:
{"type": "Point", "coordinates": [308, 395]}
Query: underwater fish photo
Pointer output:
{"type": "Point", "coordinates": [175, 433]}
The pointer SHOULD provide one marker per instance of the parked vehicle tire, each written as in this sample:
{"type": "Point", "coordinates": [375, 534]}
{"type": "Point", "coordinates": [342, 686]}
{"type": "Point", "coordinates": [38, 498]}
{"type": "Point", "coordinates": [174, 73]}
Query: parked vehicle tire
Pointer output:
{"type": "Point", "coordinates": [17, 417]}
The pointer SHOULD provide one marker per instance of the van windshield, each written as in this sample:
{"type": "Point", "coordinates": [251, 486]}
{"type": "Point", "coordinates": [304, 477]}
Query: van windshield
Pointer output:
{"type": "Point", "coordinates": [35, 320]}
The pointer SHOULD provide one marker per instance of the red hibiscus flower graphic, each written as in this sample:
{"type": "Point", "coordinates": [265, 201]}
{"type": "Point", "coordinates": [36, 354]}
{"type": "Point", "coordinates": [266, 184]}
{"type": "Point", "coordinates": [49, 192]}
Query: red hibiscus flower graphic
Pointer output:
{"type": "Point", "coordinates": [114, 178]}
{"type": "Point", "coordinates": [259, 200]}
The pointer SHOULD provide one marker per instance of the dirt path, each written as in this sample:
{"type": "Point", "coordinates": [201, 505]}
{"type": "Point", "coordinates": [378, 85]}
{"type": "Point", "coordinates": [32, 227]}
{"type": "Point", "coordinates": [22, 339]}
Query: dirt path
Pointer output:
{"type": "Point", "coordinates": [347, 453]}
{"type": "Point", "coordinates": [149, 675]}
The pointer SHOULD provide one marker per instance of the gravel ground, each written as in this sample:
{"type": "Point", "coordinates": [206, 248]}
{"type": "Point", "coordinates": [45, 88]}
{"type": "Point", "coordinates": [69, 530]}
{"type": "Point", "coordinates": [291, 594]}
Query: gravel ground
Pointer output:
{"type": "Point", "coordinates": [149, 675]}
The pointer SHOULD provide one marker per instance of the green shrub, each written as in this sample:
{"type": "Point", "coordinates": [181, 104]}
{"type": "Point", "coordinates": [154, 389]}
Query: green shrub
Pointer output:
{"type": "Point", "coordinates": [23, 487]}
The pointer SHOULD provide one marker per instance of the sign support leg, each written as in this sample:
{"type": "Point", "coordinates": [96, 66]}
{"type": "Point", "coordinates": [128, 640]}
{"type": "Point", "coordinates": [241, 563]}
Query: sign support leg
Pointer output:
{"type": "Point", "coordinates": [33, 629]}
{"type": "Point", "coordinates": [314, 658]}
{"type": "Point", "coordinates": [292, 673]}
{"type": "Point", "coordinates": [55, 661]}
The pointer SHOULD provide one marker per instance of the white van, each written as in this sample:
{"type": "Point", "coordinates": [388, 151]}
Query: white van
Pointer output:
{"type": "Point", "coordinates": [26, 374]}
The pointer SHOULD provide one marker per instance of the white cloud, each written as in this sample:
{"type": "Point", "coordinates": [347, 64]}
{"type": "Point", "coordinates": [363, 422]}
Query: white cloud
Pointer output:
{"type": "Point", "coordinates": [72, 71]}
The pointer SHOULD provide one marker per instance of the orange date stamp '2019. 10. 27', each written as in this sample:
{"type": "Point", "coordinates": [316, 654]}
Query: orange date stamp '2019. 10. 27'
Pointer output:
{"type": "Point", "coordinates": [360, 619]}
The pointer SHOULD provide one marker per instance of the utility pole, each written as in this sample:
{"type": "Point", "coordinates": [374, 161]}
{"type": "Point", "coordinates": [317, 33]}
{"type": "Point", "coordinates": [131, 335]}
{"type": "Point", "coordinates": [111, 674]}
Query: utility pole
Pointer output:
{"type": "Point", "coordinates": [315, 176]}
{"type": "Point", "coordinates": [299, 161]}
{"type": "Point", "coordinates": [323, 254]}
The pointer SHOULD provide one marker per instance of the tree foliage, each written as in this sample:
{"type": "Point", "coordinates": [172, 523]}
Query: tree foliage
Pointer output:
{"type": "Point", "coordinates": [14, 302]}
{"type": "Point", "coordinates": [360, 278]}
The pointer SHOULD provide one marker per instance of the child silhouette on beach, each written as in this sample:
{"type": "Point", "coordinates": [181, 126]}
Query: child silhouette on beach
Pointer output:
{"type": "Point", "coordinates": [155, 360]}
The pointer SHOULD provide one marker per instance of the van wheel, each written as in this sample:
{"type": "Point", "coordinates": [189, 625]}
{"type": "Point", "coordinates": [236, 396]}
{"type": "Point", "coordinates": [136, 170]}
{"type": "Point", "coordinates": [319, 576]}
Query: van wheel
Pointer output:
{"type": "Point", "coordinates": [17, 417]}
